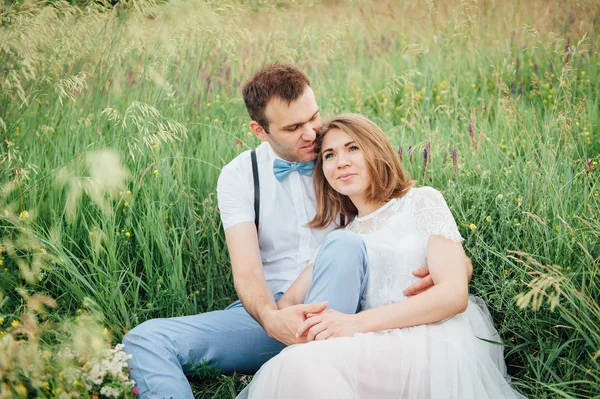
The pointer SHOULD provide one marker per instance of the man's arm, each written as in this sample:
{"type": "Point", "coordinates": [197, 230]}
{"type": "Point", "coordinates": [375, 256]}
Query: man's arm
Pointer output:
{"type": "Point", "coordinates": [253, 291]}
{"type": "Point", "coordinates": [248, 274]}
{"type": "Point", "coordinates": [296, 294]}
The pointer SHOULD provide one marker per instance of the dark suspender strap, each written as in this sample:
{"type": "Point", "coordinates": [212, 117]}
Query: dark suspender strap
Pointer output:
{"type": "Point", "coordinates": [256, 188]}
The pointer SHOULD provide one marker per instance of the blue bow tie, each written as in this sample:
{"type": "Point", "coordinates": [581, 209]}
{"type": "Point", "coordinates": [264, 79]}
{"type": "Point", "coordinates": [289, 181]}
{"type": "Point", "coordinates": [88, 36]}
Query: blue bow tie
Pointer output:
{"type": "Point", "coordinates": [282, 169]}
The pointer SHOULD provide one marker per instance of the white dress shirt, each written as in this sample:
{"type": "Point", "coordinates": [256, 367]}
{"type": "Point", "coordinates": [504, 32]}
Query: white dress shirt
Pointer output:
{"type": "Point", "coordinates": [286, 244]}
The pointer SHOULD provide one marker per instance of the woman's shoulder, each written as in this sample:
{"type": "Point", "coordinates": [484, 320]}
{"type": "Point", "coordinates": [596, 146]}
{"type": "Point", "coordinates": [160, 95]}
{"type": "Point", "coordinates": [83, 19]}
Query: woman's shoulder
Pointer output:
{"type": "Point", "coordinates": [426, 197]}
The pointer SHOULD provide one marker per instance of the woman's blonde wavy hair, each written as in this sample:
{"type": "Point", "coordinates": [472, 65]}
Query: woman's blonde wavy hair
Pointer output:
{"type": "Point", "coordinates": [387, 178]}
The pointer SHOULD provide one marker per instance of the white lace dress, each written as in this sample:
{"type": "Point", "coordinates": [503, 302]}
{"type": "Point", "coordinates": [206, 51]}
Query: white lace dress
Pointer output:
{"type": "Point", "coordinates": [449, 359]}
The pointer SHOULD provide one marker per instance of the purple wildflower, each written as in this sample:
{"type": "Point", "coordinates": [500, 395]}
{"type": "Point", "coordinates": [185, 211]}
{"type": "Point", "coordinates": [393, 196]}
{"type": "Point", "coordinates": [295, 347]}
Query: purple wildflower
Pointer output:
{"type": "Point", "coordinates": [400, 153]}
{"type": "Point", "coordinates": [454, 156]}
{"type": "Point", "coordinates": [472, 135]}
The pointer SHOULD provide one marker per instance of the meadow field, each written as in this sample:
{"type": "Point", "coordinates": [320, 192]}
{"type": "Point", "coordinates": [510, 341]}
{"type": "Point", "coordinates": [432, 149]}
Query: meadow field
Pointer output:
{"type": "Point", "coordinates": [116, 121]}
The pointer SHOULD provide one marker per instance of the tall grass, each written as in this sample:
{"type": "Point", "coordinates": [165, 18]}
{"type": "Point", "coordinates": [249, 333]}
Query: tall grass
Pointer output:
{"type": "Point", "coordinates": [494, 103]}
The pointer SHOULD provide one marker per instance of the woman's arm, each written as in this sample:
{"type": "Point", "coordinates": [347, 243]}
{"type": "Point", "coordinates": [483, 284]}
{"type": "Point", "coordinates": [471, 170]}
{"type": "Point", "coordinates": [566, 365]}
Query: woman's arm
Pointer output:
{"type": "Point", "coordinates": [446, 298]}
{"type": "Point", "coordinates": [296, 294]}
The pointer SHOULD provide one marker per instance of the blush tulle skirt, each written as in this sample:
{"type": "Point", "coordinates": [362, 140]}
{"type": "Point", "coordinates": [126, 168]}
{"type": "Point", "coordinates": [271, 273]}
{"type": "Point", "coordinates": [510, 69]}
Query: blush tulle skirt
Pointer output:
{"type": "Point", "coordinates": [459, 358]}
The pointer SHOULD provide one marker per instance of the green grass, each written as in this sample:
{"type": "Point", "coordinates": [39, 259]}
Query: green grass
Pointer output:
{"type": "Point", "coordinates": [513, 88]}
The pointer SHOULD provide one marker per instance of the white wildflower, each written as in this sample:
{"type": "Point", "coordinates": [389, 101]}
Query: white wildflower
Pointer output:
{"type": "Point", "coordinates": [110, 392]}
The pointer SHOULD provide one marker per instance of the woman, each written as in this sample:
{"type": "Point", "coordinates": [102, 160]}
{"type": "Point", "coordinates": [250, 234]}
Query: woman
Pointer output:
{"type": "Point", "coordinates": [433, 345]}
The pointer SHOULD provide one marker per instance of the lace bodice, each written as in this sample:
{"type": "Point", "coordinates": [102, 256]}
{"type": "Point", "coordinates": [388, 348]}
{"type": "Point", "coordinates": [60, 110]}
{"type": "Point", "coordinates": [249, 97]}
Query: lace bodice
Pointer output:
{"type": "Point", "coordinates": [396, 238]}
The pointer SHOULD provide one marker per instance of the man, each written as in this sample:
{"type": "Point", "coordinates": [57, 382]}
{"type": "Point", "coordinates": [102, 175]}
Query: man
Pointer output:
{"type": "Point", "coordinates": [285, 116]}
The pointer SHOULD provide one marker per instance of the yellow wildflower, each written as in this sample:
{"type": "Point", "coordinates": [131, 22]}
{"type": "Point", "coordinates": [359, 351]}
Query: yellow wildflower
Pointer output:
{"type": "Point", "coordinates": [155, 172]}
{"type": "Point", "coordinates": [15, 323]}
{"type": "Point", "coordinates": [21, 390]}
{"type": "Point", "coordinates": [127, 234]}
{"type": "Point", "coordinates": [500, 196]}
{"type": "Point", "coordinates": [126, 203]}
{"type": "Point", "coordinates": [46, 386]}
{"type": "Point", "coordinates": [1, 320]}
{"type": "Point", "coordinates": [472, 226]}
{"type": "Point", "coordinates": [249, 134]}
{"type": "Point", "coordinates": [24, 215]}
{"type": "Point", "coordinates": [488, 219]}
{"type": "Point", "coordinates": [1, 262]}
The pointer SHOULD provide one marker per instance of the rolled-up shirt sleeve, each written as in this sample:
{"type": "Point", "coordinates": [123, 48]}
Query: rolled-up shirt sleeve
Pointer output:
{"type": "Point", "coordinates": [235, 203]}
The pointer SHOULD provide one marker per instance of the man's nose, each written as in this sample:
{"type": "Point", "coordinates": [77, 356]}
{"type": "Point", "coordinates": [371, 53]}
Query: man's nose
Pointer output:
{"type": "Point", "coordinates": [309, 133]}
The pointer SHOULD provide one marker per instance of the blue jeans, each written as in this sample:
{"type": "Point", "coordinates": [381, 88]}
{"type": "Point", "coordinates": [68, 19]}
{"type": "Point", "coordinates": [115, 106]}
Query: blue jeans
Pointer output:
{"type": "Point", "coordinates": [163, 349]}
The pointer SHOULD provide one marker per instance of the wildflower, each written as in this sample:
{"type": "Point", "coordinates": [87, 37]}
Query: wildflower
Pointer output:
{"type": "Point", "coordinates": [1, 320]}
{"type": "Point", "coordinates": [400, 153]}
{"type": "Point", "coordinates": [126, 204]}
{"type": "Point", "coordinates": [15, 323]}
{"type": "Point", "coordinates": [46, 386]}
{"type": "Point", "coordinates": [127, 234]}
{"type": "Point", "coordinates": [136, 390]}
{"type": "Point", "coordinates": [1, 262]}
{"type": "Point", "coordinates": [208, 104]}
{"type": "Point", "coordinates": [500, 196]}
{"type": "Point", "coordinates": [24, 215]}
{"type": "Point", "coordinates": [488, 219]}
{"type": "Point", "coordinates": [454, 156]}
{"type": "Point", "coordinates": [21, 390]}
{"type": "Point", "coordinates": [472, 135]}
{"type": "Point", "coordinates": [472, 226]}
{"type": "Point", "coordinates": [155, 172]}
{"type": "Point", "coordinates": [128, 192]}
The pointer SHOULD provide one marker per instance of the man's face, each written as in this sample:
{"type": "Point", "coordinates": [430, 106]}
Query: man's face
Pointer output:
{"type": "Point", "coordinates": [293, 128]}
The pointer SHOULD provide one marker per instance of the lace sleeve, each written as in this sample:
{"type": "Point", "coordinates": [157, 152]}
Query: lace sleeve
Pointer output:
{"type": "Point", "coordinates": [433, 217]}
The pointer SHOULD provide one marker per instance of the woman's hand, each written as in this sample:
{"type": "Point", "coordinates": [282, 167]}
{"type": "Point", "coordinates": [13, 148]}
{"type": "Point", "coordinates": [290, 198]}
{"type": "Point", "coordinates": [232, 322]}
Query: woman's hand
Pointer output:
{"type": "Point", "coordinates": [330, 324]}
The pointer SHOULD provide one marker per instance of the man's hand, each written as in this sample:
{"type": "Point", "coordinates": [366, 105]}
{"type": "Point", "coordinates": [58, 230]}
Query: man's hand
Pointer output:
{"type": "Point", "coordinates": [283, 324]}
{"type": "Point", "coordinates": [426, 281]}
{"type": "Point", "coordinates": [329, 324]}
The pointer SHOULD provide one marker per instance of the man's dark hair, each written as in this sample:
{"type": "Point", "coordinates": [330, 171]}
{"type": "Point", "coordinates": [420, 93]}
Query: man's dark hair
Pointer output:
{"type": "Point", "coordinates": [278, 79]}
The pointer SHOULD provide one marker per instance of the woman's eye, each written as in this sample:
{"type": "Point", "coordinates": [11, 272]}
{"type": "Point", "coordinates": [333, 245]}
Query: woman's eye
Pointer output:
{"type": "Point", "coordinates": [353, 148]}
{"type": "Point", "coordinates": [327, 156]}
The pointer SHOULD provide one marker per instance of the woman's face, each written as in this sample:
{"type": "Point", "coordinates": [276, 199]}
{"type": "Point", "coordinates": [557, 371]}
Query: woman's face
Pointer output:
{"type": "Point", "coordinates": [344, 164]}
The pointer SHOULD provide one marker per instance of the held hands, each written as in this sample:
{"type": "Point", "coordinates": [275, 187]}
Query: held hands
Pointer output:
{"type": "Point", "coordinates": [330, 324]}
{"type": "Point", "coordinates": [283, 324]}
